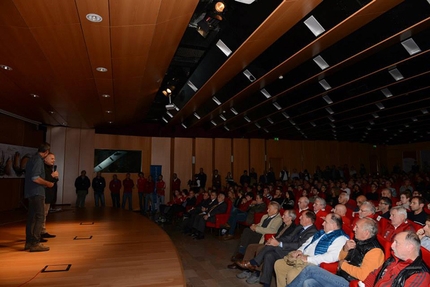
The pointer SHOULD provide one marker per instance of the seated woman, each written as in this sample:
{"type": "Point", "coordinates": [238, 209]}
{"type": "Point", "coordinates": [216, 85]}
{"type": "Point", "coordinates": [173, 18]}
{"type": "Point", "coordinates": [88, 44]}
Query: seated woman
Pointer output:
{"type": "Point", "coordinates": [289, 199]}
{"type": "Point", "coordinates": [405, 199]}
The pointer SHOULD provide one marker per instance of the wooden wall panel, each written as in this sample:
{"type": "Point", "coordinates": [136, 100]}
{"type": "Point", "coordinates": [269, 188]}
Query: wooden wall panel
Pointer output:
{"type": "Point", "coordinates": [257, 151]}
{"type": "Point", "coordinates": [294, 158]}
{"type": "Point", "coordinates": [276, 155]}
{"type": "Point", "coordinates": [222, 158]}
{"type": "Point", "coordinates": [309, 156]}
{"type": "Point", "coordinates": [240, 157]}
{"type": "Point", "coordinates": [161, 148]}
{"type": "Point", "coordinates": [182, 160]}
{"type": "Point", "coordinates": [204, 157]}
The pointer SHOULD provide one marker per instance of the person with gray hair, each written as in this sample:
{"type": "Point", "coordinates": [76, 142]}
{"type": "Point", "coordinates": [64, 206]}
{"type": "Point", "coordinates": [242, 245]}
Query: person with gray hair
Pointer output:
{"type": "Point", "coordinates": [357, 259]}
{"type": "Point", "coordinates": [404, 268]}
{"type": "Point", "coordinates": [319, 210]}
{"type": "Point", "coordinates": [367, 209]}
{"type": "Point", "coordinates": [398, 223]}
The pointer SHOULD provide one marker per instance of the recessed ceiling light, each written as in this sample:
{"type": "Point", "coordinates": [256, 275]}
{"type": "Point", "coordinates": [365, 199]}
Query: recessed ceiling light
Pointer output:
{"type": "Point", "coordinates": [384, 130]}
{"type": "Point", "coordinates": [424, 111]}
{"type": "Point", "coordinates": [270, 121]}
{"type": "Point", "coordinates": [109, 112]}
{"type": "Point", "coordinates": [64, 123]}
{"type": "Point", "coordinates": [247, 119]}
{"type": "Point", "coordinates": [226, 128]}
{"type": "Point", "coordinates": [101, 69]}
{"type": "Point", "coordinates": [169, 114]}
{"type": "Point", "coordinates": [51, 112]}
{"type": "Point", "coordinates": [257, 125]}
{"type": "Point", "coordinates": [285, 115]}
{"type": "Point", "coordinates": [375, 115]}
{"type": "Point", "coordinates": [351, 127]}
{"type": "Point", "coordinates": [371, 122]}
{"type": "Point", "coordinates": [222, 117]}
{"type": "Point", "coordinates": [184, 125]}
{"type": "Point", "coordinates": [192, 86]}
{"type": "Point", "coordinates": [297, 128]}
{"type": "Point", "coordinates": [368, 128]}
{"type": "Point", "coordinates": [380, 106]}
{"type": "Point", "coordinates": [277, 106]}
{"type": "Point", "coordinates": [327, 99]}
{"type": "Point", "coordinates": [411, 47]}
{"type": "Point", "coordinates": [234, 111]}
{"type": "Point", "coordinates": [223, 47]}
{"type": "Point", "coordinates": [110, 122]}
{"type": "Point", "coordinates": [331, 118]}
{"type": "Point", "coordinates": [7, 68]}
{"type": "Point", "coordinates": [197, 115]}
{"type": "Point", "coordinates": [387, 93]}
{"type": "Point", "coordinates": [329, 110]}
{"type": "Point", "coordinates": [265, 93]}
{"type": "Point", "coordinates": [313, 25]}
{"type": "Point", "coordinates": [164, 119]}
{"type": "Point", "coordinates": [265, 130]}
{"type": "Point", "coordinates": [325, 84]}
{"type": "Point", "coordinates": [213, 122]}
{"type": "Point", "coordinates": [321, 62]}
{"type": "Point", "coordinates": [280, 77]}
{"type": "Point", "coordinates": [34, 95]}
{"type": "Point", "coordinates": [332, 125]}
{"type": "Point", "coordinates": [215, 99]}
{"type": "Point", "coordinates": [106, 96]}
{"type": "Point", "coordinates": [395, 73]}
{"type": "Point", "coordinates": [95, 18]}
{"type": "Point", "coordinates": [414, 119]}
{"type": "Point", "coordinates": [406, 126]}
{"type": "Point", "coordinates": [292, 122]}
{"type": "Point", "coordinates": [313, 124]}
{"type": "Point", "coordinates": [249, 75]}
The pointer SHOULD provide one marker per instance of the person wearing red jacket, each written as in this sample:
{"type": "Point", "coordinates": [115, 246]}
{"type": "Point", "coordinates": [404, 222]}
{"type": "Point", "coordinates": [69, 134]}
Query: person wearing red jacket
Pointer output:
{"type": "Point", "coordinates": [128, 186]}
{"type": "Point", "coordinates": [115, 188]}
{"type": "Point", "coordinates": [161, 189]}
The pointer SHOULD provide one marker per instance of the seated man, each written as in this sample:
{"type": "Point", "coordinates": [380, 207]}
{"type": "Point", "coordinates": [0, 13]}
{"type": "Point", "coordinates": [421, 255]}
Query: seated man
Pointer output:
{"type": "Point", "coordinates": [277, 248]}
{"type": "Point", "coordinates": [424, 234]}
{"type": "Point", "coordinates": [404, 268]}
{"type": "Point", "coordinates": [384, 207]}
{"type": "Point", "coordinates": [360, 199]}
{"type": "Point", "coordinates": [398, 224]}
{"type": "Point", "coordinates": [357, 259]}
{"type": "Point", "coordinates": [367, 209]}
{"type": "Point", "coordinates": [340, 209]}
{"type": "Point", "coordinates": [417, 213]}
{"type": "Point", "coordinates": [302, 205]}
{"type": "Point", "coordinates": [199, 223]}
{"type": "Point", "coordinates": [324, 246]}
{"type": "Point", "coordinates": [319, 210]}
{"type": "Point", "coordinates": [204, 207]}
{"type": "Point", "coordinates": [269, 223]}
{"type": "Point", "coordinates": [256, 206]}
{"type": "Point", "coordinates": [344, 199]}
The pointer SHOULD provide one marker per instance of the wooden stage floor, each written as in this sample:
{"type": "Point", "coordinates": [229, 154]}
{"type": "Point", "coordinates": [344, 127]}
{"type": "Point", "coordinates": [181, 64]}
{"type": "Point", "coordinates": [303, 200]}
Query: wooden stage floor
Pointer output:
{"type": "Point", "coordinates": [101, 247]}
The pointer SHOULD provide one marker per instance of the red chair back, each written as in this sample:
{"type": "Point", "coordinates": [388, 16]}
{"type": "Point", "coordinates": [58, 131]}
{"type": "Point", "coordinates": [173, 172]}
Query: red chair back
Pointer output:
{"type": "Point", "coordinates": [415, 225]}
{"type": "Point", "coordinates": [386, 246]}
{"type": "Point", "coordinates": [426, 256]}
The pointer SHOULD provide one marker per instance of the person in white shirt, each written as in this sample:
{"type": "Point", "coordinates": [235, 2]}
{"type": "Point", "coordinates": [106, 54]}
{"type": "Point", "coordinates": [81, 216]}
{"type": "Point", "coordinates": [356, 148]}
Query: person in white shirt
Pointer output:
{"type": "Point", "coordinates": [324, 246]}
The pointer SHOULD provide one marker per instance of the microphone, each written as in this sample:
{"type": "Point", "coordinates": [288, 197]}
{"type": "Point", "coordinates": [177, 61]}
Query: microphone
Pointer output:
{"type": "Point", "coordinates": [55, 168]}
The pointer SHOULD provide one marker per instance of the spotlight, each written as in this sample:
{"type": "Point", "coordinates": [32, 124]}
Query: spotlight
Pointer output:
{"type": "Point", "coordinates": [219, 6]}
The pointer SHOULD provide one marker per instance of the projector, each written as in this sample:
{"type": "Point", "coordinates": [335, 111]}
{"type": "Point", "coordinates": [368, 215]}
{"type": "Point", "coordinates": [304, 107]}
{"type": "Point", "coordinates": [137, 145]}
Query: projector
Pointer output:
{"type": "Point", "coordinates": [170, 107]}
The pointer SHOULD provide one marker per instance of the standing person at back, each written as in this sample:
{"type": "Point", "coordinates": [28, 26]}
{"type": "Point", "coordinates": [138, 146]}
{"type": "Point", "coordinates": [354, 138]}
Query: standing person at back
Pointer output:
{"type": "Point", "coordinates": [141, 186]}
{"type": "Point", "coordinates": [99, 185]}
{"type": "Point", "coordinates": [127, 193]}
{"type": "Point", "coordinates": [51, 175]}
{"type": "Point", "coordinates": [34, 191]}
{"type": "Point", "coordinates": [82, 184]}
{"type": "Point", "coordinates": [115, 190]}
{"type": "Point", "coordinates": [161, 191]}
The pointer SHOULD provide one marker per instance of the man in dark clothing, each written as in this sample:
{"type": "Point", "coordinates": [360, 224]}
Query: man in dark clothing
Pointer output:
{"type": "Point", "coordinates": [99, 185]}
{"type": "Point", "coordinates": [51, 175]}
{"type": "Point", "coordinates": [82, 184]}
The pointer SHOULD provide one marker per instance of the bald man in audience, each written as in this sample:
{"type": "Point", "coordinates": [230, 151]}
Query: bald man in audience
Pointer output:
{"type": "Point", "coordinates": [340, 209]}
{"type": "Point", "coordinates": [302, 205]}
{"type": "Point", "coordinates": [398, 223]}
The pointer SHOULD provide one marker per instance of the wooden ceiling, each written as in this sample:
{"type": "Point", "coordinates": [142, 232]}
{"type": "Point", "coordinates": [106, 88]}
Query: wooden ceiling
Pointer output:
{"type": "Point", "coordinates": [54, 52]}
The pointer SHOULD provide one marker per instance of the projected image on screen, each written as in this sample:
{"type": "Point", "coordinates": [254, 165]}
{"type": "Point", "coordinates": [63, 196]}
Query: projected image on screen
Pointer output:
{"type": "Point", "coordinates": [118, 161]}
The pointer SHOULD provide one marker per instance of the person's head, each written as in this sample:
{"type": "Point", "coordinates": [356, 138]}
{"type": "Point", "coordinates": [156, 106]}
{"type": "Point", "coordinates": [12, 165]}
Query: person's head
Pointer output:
{"type": "Point", "coordinates": [385, 204]}
{"type": "Point", "coordinates": [426, 227]}
{"type": "Point", "coordinates": [367, 209]}
{"type": "Point", "coordinates": [44, 149]}
{"type": "Point", "coordinates": [127, 176]}
{"type": "Point", "coordinates": [177, 193]}
{"type": "Point", "coordinates": [417, 204]}
{"type": "Point", "coordinates": [273, 208]}
{"type": "Point", "coordinates": [259, 198]}
{"type": "Point", "coordinates": [221, 197]}
{"type": "Point", "coordinates": [213, 195]}
{"type": "Point", "coordinates": [303, 202]}
{"type": "Point", "coordinates": [206, 195]}
{"type": "Point", "coordinates": [201, 170]}
{"type": "Point", "coordinates": [278, 192]}
{"type": "Point", "coordinates": [150, 178]}
{"type": "Point", "coordinates": [83, 173]}
{"type": "Point", "coordinates": [249, 196]}
{"type": "Point", "coordinates": [114, 177]}
{"type": "Point", "coordinates": [417, 193]}
{"type": "Point", "coordinates": [373, 187]}
{"type": "Point", "coordinates": [406, 245]}
{"type": "Point", "coordinates": [190, 193]}
{"type": "Point", "coordinates": [319, 204]}
{"type": "Point", "coordinates": [160, 177]}
{"type": "Point", "coordinates": [99, 174]}
{"type": "Point", "coordinates": [231, 193]}
{"type": "Point", "coordinates": [307, 218]}
{"type": "Point", "coordinates": [360, 200]}
{"type": "Point", "coordinates": [343, 198]}
{"type": "Point", "coordinates": [266, 190]}
{"type": "Point", "coordinates": [289, 216]}
{"type": "Point", "coordinates": [175, 176]}
{"type": "Point", "coordinates": [386, 193]}
{"type": "Point", "coordinates": [405, 197]}
{"type": "Point", "coordinates": [398, 215]}
{"type": "Point", "coordinates": [332, 222]}
{"type": "Point", "coordinates": [365, 228]}
{"type": "Point", "coordinates": [245, 172]}
{"type": "Point", "coordinates": [50, 159]}
{"type": "Point", "coordinates": [340, 209]}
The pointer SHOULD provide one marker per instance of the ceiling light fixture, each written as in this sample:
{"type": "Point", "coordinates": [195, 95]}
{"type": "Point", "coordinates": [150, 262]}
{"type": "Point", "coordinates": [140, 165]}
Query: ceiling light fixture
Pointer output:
{"type": "Point", "coordinates": [226, 128]}
{"type": "Point", "coordinates": [327, 99]}
{"type": "Point", "coordinates": [196, 115]}
{"type": "Point", "coordinates": [257, 125]}
{"type": "Point", "coordinates": [34, 95]}
{"type": "Point", "coordinates": [265, 130]}
{"type": "Point", "coordinates": [169, 114]}
{"type": "Point", "coordinates": [387, 93]}
{"type": "Point", "coordinates": [106, 96]}
{"type": "Point", "coordinates": [297, 128]}
{"type": "Point", "coordinates": [331, 118]}
{"type": "Point", "coordinates": [184, 125]}
{"type": "Point", "coordinates": [223, 47]}
{"type": "Point", "coordinates": [368, 128]}
{"type": "Point", "coordinates": [277, 106]}
{"type": "Point", "coordinates": [192, 86]}
{"type": "Point", "coordinates": [375, 115]}
{"type": "Point", "coordinates": [414, 119]}
{"type": "Point", "coordinates": [110, 122]}
{"type": "Point", "coordinates": [215, 99]}
{"type": "Point", "coordinates": [270, 121]}
{"type": "Point", "coordinates": [329, 110]}
{"type": "Point", "coordinates": [95, 18]}
{"type": "Point", "coordinates": [321, 62]}
{"type": "Point", "coordinates": [101, 69]}
{"type": "Point", "coordinates": [213, 122]}
{"type": "Point", "coordinates": [164, 119]}
{"type": "Point", "coordinates": [380, 106]}
{"type": "Point", "coordinates": [424, 111]}
{"type": "Point", "coordinates": [326, 86]}
{"type": "Point", "coordinates": [247, 119]}
{"type": "Point", "coordinates": [292, 122]}
{"type": "Point", "coordinates": [109, 112]}
{"type": "Point", "coordinates": [351, 127]}
{"type": "Point", "coordinates": [265, 93]}
{"type": "Point", "coordinates": [249, 75]}
{"type": "Point", "coordinates": [406, 126]}
{"type": "Point", "coordinates": [285, 115]}
{"type": "Point", "coordinates": [222, 117]}
{"type": "Point", "coordinates": [411, 47]}
{"type": "Point", "coordinates": [313, 25]}
{"type": "Point", "coordinates": [7, 68]}
{"type": "Point", "coordinates": [395, 73]}
{"type": "Point", "coordinates": [313, 124]}
{"type": "Point", "coordinates": [332, 125]}
{"type": "Point", "coordinates": [371, 122]}
{"type": "Point", "coordinates": [234, 111]}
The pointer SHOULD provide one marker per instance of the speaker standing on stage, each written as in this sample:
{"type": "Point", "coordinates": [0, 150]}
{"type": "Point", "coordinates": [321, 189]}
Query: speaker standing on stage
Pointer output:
{"type": "Point", "coordinates": [51, 175]}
